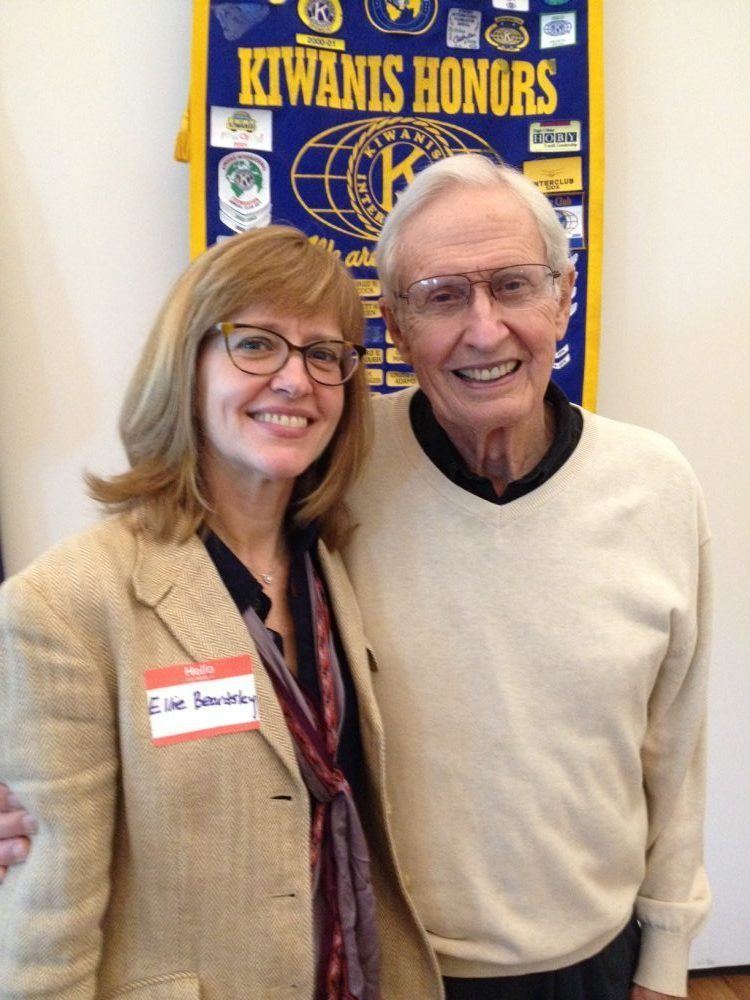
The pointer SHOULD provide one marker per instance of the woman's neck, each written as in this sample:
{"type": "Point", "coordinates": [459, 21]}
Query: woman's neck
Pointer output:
{"type": "Point", "coordinates": [261, 548]}
{"type": "Point", "coordinates": [251, 521]}
{"type": "Point", "coordinates": [254, 530]}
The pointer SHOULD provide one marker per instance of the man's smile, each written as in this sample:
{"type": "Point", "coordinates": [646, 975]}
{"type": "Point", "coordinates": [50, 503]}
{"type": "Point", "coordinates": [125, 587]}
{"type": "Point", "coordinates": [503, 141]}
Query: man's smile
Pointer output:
{"type": "Point", "coordinates": [488, 374]}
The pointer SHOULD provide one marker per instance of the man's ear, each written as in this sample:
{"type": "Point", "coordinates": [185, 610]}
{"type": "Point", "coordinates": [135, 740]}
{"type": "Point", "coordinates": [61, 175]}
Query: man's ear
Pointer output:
{"type": "Point", "coordinates": [389, 314]}
{"type": "Point", "coordinates": [567, 284]}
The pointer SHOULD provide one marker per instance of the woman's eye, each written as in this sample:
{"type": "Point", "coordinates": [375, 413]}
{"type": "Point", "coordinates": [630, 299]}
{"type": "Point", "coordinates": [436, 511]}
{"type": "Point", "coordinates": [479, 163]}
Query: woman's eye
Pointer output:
{"type": "Point", "coordinates": [324, 355]}
{"type": "Point", "coordinates": [255, 345]}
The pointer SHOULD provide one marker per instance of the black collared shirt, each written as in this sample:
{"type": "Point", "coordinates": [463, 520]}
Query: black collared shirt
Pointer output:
{"type": "Point", "coordinates": [247, 592]}
{"type": "Point", "coordinates": [441, 451]}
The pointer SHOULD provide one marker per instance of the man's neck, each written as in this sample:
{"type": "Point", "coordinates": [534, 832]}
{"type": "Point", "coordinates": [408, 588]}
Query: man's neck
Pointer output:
{"type": "Point", "coordinates": [505, 454]}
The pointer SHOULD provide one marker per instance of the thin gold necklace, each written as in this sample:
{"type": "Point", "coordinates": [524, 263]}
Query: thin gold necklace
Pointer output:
{"type": "Point", "coordinates": [269, 576]}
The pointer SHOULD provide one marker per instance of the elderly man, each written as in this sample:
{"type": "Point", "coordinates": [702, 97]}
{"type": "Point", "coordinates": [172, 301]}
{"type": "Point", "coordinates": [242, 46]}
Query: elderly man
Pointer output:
{"type": "Point", "coordinates": [533, 580]}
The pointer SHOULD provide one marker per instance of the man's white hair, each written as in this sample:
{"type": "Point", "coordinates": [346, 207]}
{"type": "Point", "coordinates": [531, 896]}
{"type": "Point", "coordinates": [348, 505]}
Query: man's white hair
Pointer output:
{"type": "Point", "coordinates": [465, 170]}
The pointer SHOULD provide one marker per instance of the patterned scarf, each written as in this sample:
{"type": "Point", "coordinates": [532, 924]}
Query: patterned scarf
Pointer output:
{"type": "Point", "coordinates": [344, 904]}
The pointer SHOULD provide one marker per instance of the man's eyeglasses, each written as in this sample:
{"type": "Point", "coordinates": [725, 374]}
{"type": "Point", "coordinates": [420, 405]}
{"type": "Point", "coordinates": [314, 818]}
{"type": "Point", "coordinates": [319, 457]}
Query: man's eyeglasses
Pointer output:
{"type": "Point", "coordinates": [514, 287]}
{"type": "Point", "coordinates": [262, 352]}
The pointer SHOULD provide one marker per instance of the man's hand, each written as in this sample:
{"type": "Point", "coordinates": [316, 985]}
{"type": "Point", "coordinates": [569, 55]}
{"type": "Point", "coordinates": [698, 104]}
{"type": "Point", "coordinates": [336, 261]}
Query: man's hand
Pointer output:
{"type": "Point", "coordinates": [641, 993]}
{"type": "Point", "coordinates": [15, 824]}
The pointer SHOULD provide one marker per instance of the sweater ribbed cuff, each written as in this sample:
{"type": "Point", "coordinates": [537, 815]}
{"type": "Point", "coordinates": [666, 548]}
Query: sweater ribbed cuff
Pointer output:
{"type": "Point", "coordinates": [663, 961]}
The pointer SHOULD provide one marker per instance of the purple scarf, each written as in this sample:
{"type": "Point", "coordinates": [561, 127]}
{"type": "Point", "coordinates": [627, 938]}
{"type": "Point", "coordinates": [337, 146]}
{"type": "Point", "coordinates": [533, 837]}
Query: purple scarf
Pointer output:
{"type": "Point", "coordinates": [343, 899]}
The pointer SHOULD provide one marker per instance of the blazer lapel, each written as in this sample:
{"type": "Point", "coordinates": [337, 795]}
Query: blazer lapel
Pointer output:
{"type": "Point", "coordinates": [180, 583]}
{"type": "Point", "coordinates": [359, 656]}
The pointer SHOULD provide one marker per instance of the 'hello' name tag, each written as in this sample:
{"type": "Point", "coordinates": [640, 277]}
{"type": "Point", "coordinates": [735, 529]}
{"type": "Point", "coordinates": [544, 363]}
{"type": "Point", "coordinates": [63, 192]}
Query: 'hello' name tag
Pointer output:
{"type": "Point", "coordinates": [187, 701]}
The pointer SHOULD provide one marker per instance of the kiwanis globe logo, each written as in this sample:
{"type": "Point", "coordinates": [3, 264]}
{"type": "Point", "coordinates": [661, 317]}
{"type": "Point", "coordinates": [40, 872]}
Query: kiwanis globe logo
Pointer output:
{"type": "Point", "coordinates": [402, 17]}
{"type": "Point", "coordinates": [348, 176]}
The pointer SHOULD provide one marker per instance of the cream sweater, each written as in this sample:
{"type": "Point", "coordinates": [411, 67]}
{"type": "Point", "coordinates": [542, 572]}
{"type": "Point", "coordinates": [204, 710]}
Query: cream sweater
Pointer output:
{"type": "Point", "coordinates": [541, 677]}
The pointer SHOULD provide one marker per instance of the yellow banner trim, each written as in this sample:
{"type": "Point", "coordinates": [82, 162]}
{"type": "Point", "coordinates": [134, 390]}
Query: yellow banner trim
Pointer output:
{"type": "Point", "coordinates": [596, 205]}
{"type": "Point", "coordinates": [197, 126]}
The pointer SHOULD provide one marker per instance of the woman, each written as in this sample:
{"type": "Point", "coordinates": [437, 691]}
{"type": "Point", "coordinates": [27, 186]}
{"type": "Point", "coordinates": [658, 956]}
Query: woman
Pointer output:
{"type": "Point", "coordinates": [185, 682]}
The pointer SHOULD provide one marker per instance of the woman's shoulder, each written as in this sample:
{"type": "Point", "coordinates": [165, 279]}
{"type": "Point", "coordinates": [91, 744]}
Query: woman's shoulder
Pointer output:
{"type": "Point", "coordinates": [78, 568]}
{"type": "Point", "coordinates": [111, 539]}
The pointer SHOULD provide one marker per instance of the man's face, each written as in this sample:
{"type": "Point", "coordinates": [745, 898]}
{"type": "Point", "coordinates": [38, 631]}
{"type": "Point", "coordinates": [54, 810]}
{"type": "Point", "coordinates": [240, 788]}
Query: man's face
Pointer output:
{"type": "Point", "coordinates": [488, 365]}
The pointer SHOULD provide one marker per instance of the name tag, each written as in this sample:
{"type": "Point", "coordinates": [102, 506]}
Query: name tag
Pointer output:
{"type": "Point", "coordinates": [187, 701]}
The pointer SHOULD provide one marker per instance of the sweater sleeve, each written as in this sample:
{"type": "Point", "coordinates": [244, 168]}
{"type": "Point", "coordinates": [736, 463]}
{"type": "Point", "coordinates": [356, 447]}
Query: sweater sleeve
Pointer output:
{"type": "Point", "coordinates": [58, 752]}
{"type": "Point", "coordinates": [674, 896]}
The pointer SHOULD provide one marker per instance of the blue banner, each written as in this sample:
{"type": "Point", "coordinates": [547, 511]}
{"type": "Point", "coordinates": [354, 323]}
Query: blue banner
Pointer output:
{"type": "Point", "coordinates": [317, 112]}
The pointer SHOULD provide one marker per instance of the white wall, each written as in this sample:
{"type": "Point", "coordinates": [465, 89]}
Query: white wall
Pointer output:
{"type": "Point", "coordinates": [93, 229]}
{"type": "Point", "coordinates": [676, 336]}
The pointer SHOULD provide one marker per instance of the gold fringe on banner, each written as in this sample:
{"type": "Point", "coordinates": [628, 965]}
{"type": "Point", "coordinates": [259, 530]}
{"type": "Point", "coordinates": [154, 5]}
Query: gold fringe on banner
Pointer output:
{"type": "Point", "coordinates": [182, 139]}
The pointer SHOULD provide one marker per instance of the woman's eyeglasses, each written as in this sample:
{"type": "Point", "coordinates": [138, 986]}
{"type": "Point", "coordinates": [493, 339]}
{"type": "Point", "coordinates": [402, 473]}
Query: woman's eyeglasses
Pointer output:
{"type": "Point", "coordinates": [263, 352]}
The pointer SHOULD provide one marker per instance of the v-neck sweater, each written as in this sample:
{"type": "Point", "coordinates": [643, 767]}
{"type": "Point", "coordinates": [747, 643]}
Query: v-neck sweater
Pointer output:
{"type": "Point", "coordinates": [541, 677]}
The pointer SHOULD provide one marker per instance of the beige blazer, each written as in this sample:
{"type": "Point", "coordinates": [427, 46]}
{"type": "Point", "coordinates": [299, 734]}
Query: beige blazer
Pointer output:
{"type": "Point", "coordinates": [171, 872]}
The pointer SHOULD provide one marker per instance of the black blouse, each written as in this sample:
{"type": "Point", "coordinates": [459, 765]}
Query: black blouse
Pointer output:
{"type": "Point", "coordinates": [246, 591]}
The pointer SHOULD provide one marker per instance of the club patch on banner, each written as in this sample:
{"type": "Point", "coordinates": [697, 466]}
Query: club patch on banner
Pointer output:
{"type": "Point", "coordinates": [557, 30]}
{"type": "Point", "coordinates": [521, 5]}
{"type": "Point", "coordinates": [367, 287]}
{"type": "Point", "coordinates": [322, 42]}
{"type": "Point", "coordinates": [236, 19]}
{"type": "Point", "coordinates": [555, 137]}
{"type": "Point", "coordinates": [238, 128]}
{"type": "Point", "coordinates": [569, 209]}
{"type": "Point", "coordinates": [562, 358]}
{"type": "Point", "coordinates": [565, 173]}
{"type": "Point", "coordinates": [407, 17]}
{"type": "Point", "coordinates": [244, 191]}
{"type": "Point", "coordinates": [371, 311]}
{"type": "Point", "coordinates": [464, 29]}
{"type": "Point", "coordinates": [325, 16]}
{"type": "Point", "coordinates": [318, 113]}
{"type": "Point", "coordinates": [508, 34]}
{"type": "Point", "coordinates": [400, 380]}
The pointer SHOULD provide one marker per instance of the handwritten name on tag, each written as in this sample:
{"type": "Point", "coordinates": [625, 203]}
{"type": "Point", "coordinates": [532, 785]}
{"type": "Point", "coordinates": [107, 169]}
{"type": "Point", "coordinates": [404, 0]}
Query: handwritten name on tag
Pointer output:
{"type": "Point", "coordinates": [187, 701]}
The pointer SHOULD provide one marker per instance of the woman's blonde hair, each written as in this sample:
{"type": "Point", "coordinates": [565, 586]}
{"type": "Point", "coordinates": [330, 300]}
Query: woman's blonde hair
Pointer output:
{"type": "Point", "coordinates": [275, 267]}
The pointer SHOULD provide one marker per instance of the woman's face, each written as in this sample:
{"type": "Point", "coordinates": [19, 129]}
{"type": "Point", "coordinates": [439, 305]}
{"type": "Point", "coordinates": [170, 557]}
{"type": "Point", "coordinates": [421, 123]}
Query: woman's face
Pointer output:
{"type": "Point", "coordinates": [259, 428]}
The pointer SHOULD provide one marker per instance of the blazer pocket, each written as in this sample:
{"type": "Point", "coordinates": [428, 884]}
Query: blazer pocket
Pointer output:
{"type": "Point", "coordinates": [174, 986]}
